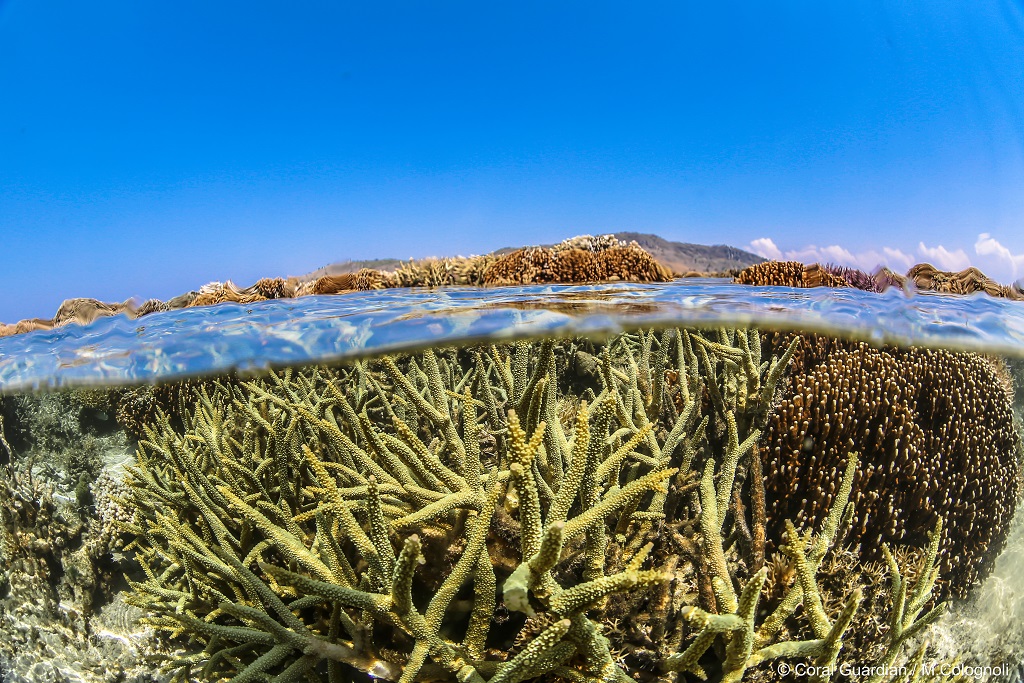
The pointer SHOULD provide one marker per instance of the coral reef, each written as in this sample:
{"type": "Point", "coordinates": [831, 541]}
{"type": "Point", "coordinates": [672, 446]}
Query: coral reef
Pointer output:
{"type": "Point", "coordinates": [576, 260]}
{"type": "Point", "coordinates": [923, 276]}
{"type": "Point", "coordinates": [84, 311]}
{"type": "Point", "coordinates": [592, 243]}
{"type": "Point", "coordinates": [885, 278]}
{"type": "Point", "coordinates": [60, 619]}
{"type": "Point", "coordinates": [796, 274]}
{"type": "Point", "coordinates": [935, 428]}
{"type": "Point", "coordinates": [220, 292]}
{"type": "Point", "coordinates": [816, 275]}
{"type": "Point", "coordinates": [361, 280]}
{"type": "Point", "coordinates": [528, 265]}
{"type": "Point", "coordinates": [881, 280]}
{"type": "Point", "coordinates": [442, 272]}
{"type": "Point", "coordinates": [152, 306]}
{"type": "Point", "coordinates": [328, 284]}
{"type": "Point", "coordinates": [81, 311]}
{"type": "Point", "coordinates": [748, 644]}
{"type": "Point", "coordinates": [486, 514]}
{"type": "Point", "coordinates": [854, 277]}
{"type": "Point", "coordinates": [968, 281]}
{"type": "Point", "coordinates": [580, 259]}
{"type": "Point", "coordinates": [54, 623]}
{"type": "Point", "coordinates": [773, 273]}
{"type": "Point", "coordinates": [936, 434]}
{"type": "Point", "coordinates": [72, 432]}
{"type": "Point", "coordinates": [134, 408]}
{"type": "Point", "coordinates": [23, 326]}
{"type": "Point", "coordinates": [139, 406]}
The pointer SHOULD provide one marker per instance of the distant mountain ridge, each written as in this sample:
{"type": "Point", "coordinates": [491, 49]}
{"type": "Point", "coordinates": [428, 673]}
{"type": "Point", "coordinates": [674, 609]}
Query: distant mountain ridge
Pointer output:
{"type": "Point", "coordinates": [682, 257]}
{"type": "Point", "coordinates": [679, 257]}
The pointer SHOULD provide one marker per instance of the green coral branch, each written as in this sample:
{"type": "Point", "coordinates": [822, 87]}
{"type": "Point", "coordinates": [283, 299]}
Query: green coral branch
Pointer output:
{"type": "Point", "coordinates": [387, 517]}
{"type": "Point", "coordinates": [906, 621]}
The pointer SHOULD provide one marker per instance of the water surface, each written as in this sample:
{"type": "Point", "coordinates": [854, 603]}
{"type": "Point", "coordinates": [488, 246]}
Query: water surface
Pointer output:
{"type": "Point", "coordinates": [279, 333]}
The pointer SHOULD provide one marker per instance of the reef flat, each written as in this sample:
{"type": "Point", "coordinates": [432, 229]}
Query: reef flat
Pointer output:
{"type": "Point", "coordinates": [551, 510]}
{"type": "Point", "coordinates": [577, 260]}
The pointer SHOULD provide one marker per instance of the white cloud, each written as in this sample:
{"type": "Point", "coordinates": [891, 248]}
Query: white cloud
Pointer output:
{"type": "Point", "coordinates": [944, 258]}
{"type": "Point", "coordinates": [765, 248]}
{"type": "Point", "coordinates": [897, 259]}
{"type": "Point", "coordinates": [867, 261]}
{"type": "Point", "coordinates": [829, 254]}
{"type": "Point", "coordinates": [1006, 260]}
{"type": "Point", "coordinates": [992, 257]}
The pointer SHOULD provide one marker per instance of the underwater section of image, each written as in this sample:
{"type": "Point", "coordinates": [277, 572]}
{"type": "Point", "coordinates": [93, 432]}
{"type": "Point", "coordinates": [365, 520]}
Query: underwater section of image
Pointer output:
{"type": "Point", "coordinates": [662, 505]}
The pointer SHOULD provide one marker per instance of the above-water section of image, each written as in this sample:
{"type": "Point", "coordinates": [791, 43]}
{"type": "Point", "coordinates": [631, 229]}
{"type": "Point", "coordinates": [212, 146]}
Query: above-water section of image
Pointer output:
{"type": "Point", "coordinates": [726, 485]}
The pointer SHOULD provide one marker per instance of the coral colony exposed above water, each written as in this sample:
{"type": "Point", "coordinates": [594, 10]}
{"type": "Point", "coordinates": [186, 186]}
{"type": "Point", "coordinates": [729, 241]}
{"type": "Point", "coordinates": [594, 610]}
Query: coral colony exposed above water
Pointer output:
{"type": "Point", "coordinates": [666, 505]}
{"type": "Point", "coordinates": [576, 260]}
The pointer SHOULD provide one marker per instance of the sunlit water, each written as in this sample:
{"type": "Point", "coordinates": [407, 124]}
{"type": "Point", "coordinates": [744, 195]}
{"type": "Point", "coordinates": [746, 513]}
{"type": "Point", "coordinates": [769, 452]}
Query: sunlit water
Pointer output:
{"type": "Point", "coordinates": [215, 339]}
{"type": "Point", "coordinates": [211, 341]}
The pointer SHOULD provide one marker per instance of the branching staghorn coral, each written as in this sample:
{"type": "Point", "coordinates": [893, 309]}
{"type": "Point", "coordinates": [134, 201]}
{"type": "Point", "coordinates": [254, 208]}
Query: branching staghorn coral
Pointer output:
{"type": "Point", "coordinates": [493, 514]}
{"type": "Point", "coordinates": [749, 646]}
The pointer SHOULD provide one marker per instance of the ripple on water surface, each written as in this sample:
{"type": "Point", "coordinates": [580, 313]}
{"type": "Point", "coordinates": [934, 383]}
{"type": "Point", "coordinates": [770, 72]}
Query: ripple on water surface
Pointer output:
{"type": "Point", "coordinates": [245, 337]}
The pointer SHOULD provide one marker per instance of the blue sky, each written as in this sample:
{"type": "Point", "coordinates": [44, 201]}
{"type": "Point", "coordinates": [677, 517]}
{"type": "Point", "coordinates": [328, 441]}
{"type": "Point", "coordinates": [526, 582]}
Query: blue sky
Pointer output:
{"type": "Point", "coordinates": [148, 148]}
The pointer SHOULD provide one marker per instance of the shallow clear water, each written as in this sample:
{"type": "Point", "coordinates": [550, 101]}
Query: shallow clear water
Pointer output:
{"type": "Point", "coordinates": [162, 451]}
{"type": "Point", "coordinates": [279, 333]}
